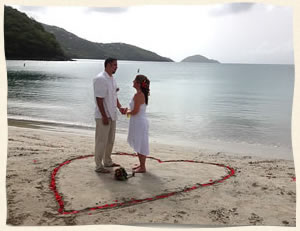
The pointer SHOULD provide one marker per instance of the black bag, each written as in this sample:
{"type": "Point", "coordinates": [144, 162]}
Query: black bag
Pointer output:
{"type": "Point", "coordinates": [121, 174]}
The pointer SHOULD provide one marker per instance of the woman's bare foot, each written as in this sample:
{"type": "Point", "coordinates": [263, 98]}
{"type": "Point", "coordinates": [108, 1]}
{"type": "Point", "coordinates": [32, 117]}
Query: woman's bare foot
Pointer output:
{"type": "Point", "coordinates": [140, 170]}
{"type": "Point", "coordinates": [136, 167]}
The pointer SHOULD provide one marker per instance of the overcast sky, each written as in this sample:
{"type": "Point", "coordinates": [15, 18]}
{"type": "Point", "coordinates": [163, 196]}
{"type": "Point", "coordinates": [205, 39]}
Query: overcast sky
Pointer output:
{"type": "Point", "coordinates": [229, 33]}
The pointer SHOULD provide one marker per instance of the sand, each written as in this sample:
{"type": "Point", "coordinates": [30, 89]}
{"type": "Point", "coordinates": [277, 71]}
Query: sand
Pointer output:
{"type": "Point", "coordinates": [261, 192]}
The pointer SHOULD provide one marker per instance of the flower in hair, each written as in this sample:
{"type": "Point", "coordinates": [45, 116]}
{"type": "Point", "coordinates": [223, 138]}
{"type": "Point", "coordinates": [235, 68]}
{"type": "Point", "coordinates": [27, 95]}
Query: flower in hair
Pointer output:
{"type": "Point", "coordinates": [144, 84]}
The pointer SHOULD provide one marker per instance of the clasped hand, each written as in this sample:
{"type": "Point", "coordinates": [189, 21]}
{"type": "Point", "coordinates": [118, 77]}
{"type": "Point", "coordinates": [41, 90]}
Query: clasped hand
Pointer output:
{"type": "Point", "coordinates": [123, 110]}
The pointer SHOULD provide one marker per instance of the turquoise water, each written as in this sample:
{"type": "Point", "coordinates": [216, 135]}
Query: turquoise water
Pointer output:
{"type": "Point", "coordinates": [236, 104]}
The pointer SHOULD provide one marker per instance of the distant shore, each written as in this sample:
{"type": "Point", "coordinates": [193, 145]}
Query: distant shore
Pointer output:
{"type": "Point", "coordinates": [40, 59]}
{"type": "Point", "coordinates": [262, 191]}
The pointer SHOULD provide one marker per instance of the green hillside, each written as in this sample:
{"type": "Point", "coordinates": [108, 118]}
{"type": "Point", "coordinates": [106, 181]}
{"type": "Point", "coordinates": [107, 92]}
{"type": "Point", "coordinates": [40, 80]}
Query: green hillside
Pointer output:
{"type": "Point", "coordinates": [26, 39]}
{"type": "Point", "coordinates": [76, 47]}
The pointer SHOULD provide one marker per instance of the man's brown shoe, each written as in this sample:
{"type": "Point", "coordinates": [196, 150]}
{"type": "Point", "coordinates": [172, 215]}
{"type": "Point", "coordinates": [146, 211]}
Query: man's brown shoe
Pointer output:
{"type": "Point", "coordinates": [103, 170]}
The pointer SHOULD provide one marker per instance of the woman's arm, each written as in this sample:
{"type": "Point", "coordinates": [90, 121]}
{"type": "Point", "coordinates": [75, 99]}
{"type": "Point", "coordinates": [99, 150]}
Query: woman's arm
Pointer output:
{"type": "Point", "coordinates": [138, 101]}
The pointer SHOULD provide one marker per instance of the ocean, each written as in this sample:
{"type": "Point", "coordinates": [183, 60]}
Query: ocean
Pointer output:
{"type": "Point", "coordinates": [242, 108]}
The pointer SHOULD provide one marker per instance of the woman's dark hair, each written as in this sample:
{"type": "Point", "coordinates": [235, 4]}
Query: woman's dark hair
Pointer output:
{"type": "Point", "coordinates": [109, 60]}
{"type": "Point", "coordinates": [145, 85]}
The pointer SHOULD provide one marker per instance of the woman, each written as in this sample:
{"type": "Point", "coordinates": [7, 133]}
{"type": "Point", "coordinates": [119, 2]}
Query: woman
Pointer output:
{"type": "Point", "coordinates": [138, 124]}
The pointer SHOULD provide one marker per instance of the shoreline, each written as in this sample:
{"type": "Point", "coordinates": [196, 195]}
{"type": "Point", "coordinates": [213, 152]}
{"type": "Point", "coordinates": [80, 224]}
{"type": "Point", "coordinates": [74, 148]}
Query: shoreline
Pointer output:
{"type": "Point", "coordinates": [244, 149]}
{"type": "Point", "coordinates": [262, 191]}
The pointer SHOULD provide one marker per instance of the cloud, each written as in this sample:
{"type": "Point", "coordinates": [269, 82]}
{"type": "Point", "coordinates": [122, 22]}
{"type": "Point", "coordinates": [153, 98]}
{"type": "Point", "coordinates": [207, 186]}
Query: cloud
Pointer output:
{"type": "Point", "coordinates": [109, 10]}
{"type": "Point", "coordinates": [32, 8]}
{"type": "Point", "coordinates": [232, 8]}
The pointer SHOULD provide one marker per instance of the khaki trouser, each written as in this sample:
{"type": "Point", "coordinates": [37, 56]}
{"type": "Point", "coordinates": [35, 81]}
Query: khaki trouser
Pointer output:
{"type": "Point", "coordinates": [104, 142]}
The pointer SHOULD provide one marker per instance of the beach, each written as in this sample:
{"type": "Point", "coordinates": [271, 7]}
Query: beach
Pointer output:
{"type": "Point", "coordinates": [183, 185]}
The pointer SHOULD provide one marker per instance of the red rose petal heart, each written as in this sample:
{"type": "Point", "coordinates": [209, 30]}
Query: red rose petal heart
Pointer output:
{"type": "Point", "coordinates": [127, 202]}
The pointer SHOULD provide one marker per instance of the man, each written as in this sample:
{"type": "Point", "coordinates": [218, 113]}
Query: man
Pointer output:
{"type": "Point", "coordinates": [105, 93]}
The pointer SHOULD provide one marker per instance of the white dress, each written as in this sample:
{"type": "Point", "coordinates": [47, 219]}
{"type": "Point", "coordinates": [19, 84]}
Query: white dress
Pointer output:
{"type": "Point", "coordinates": [138, 137]}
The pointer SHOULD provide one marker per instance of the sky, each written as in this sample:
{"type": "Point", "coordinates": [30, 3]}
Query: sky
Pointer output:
{"type": "Point", "coordinates": [230, 32]}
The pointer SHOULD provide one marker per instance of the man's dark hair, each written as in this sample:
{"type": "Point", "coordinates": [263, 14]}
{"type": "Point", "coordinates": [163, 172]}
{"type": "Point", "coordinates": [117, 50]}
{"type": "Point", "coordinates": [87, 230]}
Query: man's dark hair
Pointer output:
{"type": "Point", "coordinates": [109, 60]}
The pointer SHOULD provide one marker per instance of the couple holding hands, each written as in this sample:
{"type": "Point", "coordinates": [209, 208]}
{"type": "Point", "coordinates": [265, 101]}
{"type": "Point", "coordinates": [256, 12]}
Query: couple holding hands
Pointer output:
{"type": "Point", "coordinates": [107, 104]}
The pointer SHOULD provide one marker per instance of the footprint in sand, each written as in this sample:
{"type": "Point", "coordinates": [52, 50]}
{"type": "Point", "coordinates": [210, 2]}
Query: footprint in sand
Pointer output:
{"type": "Point", "coordinates": [222, 215]}
{"type": "Point", "coordinates": [255, 219]}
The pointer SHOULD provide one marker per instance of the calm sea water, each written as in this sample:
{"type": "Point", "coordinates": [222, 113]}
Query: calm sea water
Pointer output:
{"type": "Point", "coordinates": [203, 105]}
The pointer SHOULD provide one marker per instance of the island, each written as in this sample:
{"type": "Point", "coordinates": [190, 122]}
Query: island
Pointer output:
{"type": "Point", "coordinates": [199, 59]}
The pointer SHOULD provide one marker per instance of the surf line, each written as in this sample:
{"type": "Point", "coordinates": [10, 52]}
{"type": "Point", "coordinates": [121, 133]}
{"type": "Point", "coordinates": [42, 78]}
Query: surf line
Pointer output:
{"type": "Point", "coordinates": [59, 198]}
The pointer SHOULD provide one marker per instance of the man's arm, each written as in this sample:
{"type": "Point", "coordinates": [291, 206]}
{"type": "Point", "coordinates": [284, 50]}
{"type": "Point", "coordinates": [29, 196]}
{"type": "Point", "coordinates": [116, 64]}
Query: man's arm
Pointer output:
{"type": "Point", "coordinates": [122, 110]}
{"type": "Point", "coordinates": [118, 104]}
{"type": "Point", "coordinates": [102, 111]}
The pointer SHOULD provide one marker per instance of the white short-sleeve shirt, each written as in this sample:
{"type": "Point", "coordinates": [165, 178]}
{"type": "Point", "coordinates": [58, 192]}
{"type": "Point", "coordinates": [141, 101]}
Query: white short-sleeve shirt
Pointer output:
{"type": "Point", "coordinates": [105, 87]}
